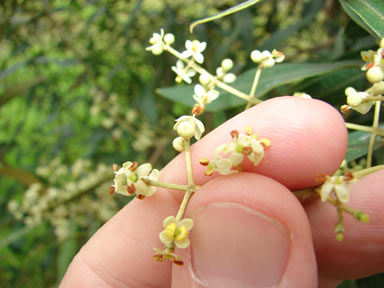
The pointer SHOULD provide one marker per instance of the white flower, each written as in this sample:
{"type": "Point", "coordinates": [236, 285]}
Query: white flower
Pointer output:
{"type": "Point", "coordinates": [338, 184]}
{"type": "Point", "coordinates": [188, 126]}
{"type": "Point", "coordinates": [356, 100]}
{"type": "Point", "coordinates": [129, 179]}
{"type": "Point", "coordinates": [176, 232]}
{"type": "Point", "coordinates": [194, 49]}
{"type": "Point", "coordinates": [182, 72]}
{"type": "Point", "coordinates": [157, 43]}
{"type": "Point", "coordinates": [204, 97]}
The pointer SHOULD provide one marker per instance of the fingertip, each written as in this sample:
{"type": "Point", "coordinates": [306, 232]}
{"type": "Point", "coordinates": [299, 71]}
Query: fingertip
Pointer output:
{"type": "Point", "coordinates": [243, 237]}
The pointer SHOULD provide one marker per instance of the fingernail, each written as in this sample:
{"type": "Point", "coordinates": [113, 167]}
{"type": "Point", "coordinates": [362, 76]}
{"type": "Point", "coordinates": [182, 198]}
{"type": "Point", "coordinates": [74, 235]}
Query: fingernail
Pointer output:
{"type": "Point", "coordinates": [235, 246]}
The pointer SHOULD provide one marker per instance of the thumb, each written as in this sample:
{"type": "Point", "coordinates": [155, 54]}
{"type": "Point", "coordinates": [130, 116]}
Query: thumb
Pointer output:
{"type": "Point", "coordinates": [249, 231]}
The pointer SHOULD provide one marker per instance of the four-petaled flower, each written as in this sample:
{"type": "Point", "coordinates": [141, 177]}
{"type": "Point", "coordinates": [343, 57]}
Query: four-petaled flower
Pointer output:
{"type": "Point", "coordinates": [183, 73]}
{"type": "Point", "coordinates": [337, 184]}
{"type": "Point", "coordinates": [194, 49]}
{"type": "Point", "coordinates": [129, 179]}
{"type": "Point", "coordinates": [176, 232]}
{"type": "Point", "coordinates": [203, 96]}
{"type": "Point", "coordinates": [188, 126]}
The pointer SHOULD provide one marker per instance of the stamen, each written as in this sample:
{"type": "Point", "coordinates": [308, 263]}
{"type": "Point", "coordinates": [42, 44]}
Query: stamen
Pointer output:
{"type": "Point", "coordinates": [115, 167]}
{"type": "Point", "coordinates": [133, 166]}
{"type": "Point", "coordinates": [131, 189]}
{"type": "Point", "coordinates": [111, 190]}
{"type": "Point", "coordinates": [204, 161]}
{"type": "Point", "coordinates": [235, 134]}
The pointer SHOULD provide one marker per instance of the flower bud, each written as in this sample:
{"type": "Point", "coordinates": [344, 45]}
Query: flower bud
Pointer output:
{"type": "Point", "coordinates": [205, 79]}
{"type": "Point", "coordinates": [157, 49]}
{"type": "Point", "coordinates": [178, 144]}
{"type": "Point", "coordinates": [256, 56]}
{"type": "Point", "coordinates": [169, 39]}
{"type": "Point", "coordinates": [186, 129]}
{"type": "Point", "coordinates": [375, 74]}
{"type": "Point", "coordinates": [227, 64]}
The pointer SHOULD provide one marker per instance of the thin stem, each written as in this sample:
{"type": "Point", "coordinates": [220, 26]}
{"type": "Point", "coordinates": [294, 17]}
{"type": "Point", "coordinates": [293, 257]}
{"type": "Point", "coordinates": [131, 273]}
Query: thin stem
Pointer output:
{"type": "Point", "coordinates": [219, 83]}
{"type": "Point", "coordinates": [377, 131]}
{"type": "Point", "coordinates": [167, 185]}
{"type": "Point", "coordinates": [188, 162]}
{"type": "Point", "coordinates": [374, 98]}
{"type": "Point", "coordinates": [255, 81]}
{"type": "Point", "coordinates": [183, 205]}
{"type": "Point", "coordinates": [373, 135]}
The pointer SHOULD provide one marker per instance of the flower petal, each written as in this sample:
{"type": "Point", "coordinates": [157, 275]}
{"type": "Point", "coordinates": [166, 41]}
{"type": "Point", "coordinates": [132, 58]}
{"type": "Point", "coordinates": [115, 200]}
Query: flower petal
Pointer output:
{"type": "Point", "coordinates": [169, 220]}
{"type": "Point", "coordinates": [187, 223]}
{"type": "Point", "coordinates": [325, 190]}
{"type": "Point", "coordinates": [198, 57]}
{"type": "Point", "coordinates": [342, 192]}
{"type": "Point", "coordinates": [143, 170]}
{"type": "Point", "coordinates": [164, 238]}
{"type": "Point", "coordinates": [182, 244]}
{"type": "Point", "coordinates": [199, 90]}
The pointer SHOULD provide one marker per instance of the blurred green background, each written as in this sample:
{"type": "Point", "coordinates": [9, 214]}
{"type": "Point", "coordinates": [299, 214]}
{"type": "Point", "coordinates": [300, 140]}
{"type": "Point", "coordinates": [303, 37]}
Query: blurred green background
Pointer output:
{"type": "Point", "coordinates": [78, 93]}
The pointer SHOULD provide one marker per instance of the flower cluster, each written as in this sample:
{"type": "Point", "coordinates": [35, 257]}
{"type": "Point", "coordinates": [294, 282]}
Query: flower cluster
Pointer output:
{"type": "Point", "coordinates": [131, 178]}
{"type": "Point", "coordinates": [159, 41]}
{"type": "Point", "coordinates": [338, 184]}
{"type": "Point", "coordinates": [267, 59]}
{"type": "Point", "coordinates": [228, 157]}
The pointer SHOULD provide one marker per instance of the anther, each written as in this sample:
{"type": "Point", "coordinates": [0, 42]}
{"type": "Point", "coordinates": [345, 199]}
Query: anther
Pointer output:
{"type": "Point", "coordinates": [111, 190]}
{"type": "Point", "coordinates": [235, 134]}
{"type": "Point", "coordinates": [115, 167]}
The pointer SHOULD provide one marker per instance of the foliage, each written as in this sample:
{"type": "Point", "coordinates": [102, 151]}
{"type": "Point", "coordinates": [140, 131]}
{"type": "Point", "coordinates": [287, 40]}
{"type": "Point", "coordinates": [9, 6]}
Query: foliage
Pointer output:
{"type": "Point", "coordinates": [77, 83]}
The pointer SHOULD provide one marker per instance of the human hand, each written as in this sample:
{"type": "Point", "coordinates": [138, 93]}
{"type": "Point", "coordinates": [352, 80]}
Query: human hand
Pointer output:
{"type": "Point", "coordinates": [250, 230]}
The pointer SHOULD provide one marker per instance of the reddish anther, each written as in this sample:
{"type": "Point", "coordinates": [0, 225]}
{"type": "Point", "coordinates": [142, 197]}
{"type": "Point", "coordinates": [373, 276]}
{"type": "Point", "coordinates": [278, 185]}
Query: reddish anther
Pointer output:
{"type": "Point", "coordinates": [235, 134]}
{"type": "Point", "coordinates": [111, 190]}
{"type": "Point", "coordinates": [133, 166]}
{"type": "Point", "coordinates": [131, 189]}
{"type": "Point", "coordinates": [247, 150]}
{"type": "Point", "coordinates": [115, 167]}
{"type": "Point", "coordinates": [198, 109]}
{"type": "Point", "coordinates": [348, 176]}
{"type": "Point", "coordinates": [321, 178]}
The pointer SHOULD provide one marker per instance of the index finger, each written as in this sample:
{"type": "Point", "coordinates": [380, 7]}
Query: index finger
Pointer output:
{"type": "Point", "coordinates": [308, 137]}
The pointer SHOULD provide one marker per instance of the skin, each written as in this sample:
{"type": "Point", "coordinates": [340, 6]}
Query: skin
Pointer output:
{"type": "Point", "coordinates": [308, 138]}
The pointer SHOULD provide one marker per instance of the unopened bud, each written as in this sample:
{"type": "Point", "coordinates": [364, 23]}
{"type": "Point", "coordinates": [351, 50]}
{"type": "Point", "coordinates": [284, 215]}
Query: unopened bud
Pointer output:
{"type": "Point", "coordinates": [205, 79]}
{"type": "Point", "coordinates": [375, 74]}
{"type": "Point", "coordinates": [157, 49]}
{"type": "Point", "coordinates": [178, 144]}
{"type": "Point", "coordinates": [169, 39]}
{"type": "Point", "coordinates": [186, 129]}
{"type": "Point", "coordinates": [227, 64]}
{"type": "Point", "coordinates": [256, 56]}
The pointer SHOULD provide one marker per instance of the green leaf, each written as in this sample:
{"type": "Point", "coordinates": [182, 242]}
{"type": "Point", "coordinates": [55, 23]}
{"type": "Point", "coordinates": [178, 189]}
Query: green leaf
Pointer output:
{"type": "Point", "coordinates": [369, 14]}
{"type": "Point", "coordinates": [271, 78]}
{"type": "Point", "coordinates": [15, 235]}
{"type": "Point", "coordinates": [358, 144]}
{"type": "Point", "coordinates": [226, 12]}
